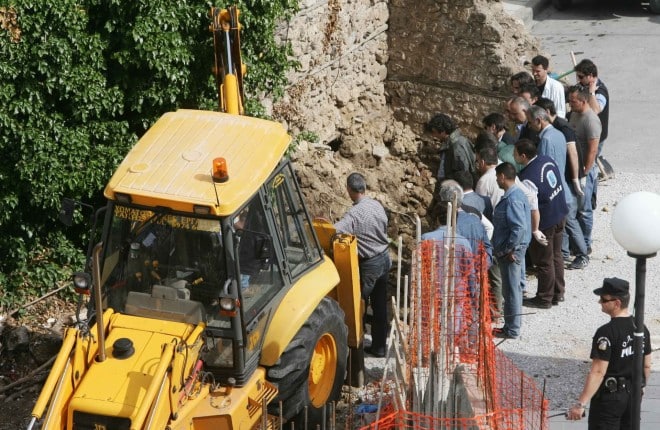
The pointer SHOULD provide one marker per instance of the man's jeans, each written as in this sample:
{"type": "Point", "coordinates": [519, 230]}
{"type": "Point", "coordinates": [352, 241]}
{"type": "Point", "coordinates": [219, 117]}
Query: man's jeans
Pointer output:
{"type": "Point", "coordinates": [373, 283]}
{"type": "Point", "coordinates": [512, 291]}
{"type": "Point", "coordinates": [586, 214]}
{"type": "Point", "coordinates": [572, 229]}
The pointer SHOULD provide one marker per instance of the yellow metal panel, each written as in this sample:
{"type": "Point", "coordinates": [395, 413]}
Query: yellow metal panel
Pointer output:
{"type": "Point", "coordinates": [325, 231]}
{"type": "Point", "coordinates": [171, 164]}
{"type": "Point", "coordinates": [348, 291]}
{"type": "Point", "coordinates": [158, 379]}
{"type": "Point", "coordinates": [343, 249]}
{"type": "Point", "coordinates": [117, 387]}
{"type": "Point", "coordinates": [298, 304]}
{"type": "Point", "coordinates": [130, 322]}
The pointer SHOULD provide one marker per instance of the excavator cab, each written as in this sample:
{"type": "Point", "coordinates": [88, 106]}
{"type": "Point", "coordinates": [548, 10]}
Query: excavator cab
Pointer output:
{"type": "Point", "coordinates": [227, 272]}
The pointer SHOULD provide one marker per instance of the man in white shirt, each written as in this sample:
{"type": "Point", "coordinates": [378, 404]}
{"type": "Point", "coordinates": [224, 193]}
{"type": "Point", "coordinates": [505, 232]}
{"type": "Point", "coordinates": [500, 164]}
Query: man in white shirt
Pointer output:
{"type": "Point", "coordinates": [548, 87]}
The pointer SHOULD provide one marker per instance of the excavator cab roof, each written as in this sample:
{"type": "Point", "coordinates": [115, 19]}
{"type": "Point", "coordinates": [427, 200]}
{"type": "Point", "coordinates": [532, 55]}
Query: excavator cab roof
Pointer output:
{"type": "Point", "coordinates": [171, 165]}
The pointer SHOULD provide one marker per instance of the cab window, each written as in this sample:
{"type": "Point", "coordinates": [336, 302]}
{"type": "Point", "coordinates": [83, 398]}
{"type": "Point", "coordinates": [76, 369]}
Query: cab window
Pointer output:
{"type": "Point", "coordinates": [293, 225]}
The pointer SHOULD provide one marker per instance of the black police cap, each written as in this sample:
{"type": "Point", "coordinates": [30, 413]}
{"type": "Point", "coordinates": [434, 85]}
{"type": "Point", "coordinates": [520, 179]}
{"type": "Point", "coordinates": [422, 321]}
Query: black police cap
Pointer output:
{"type": "Point", "coordinates": [614, 287]}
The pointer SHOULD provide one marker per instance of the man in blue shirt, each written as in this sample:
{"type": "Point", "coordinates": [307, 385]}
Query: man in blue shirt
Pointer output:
{"type": "Point", "coordinates": [541, 173]}
{"type": "Point", "coordinates": [464, 257]}
{"type": "Point", "coordinates": [469, 225]}
{"type": "Point", "coordinates": [513, 231]}
{"type": "Point", "coordinates": [463, 275]}
{"type": "Point", "coordinates": [573, 192]}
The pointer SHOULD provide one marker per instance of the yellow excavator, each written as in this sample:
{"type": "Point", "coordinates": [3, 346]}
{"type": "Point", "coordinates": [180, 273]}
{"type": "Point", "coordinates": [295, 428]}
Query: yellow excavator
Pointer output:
{"type": "Point", "coordinates": [215, 301]}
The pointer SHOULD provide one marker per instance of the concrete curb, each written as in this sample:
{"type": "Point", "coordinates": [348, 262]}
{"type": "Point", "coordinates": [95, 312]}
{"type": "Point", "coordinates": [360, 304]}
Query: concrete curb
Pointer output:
{"type": "Point", "coordinates": [525, 10]}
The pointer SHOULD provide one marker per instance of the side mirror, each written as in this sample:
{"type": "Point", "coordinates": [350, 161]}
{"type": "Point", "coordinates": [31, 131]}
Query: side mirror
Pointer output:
{"type": "Point", "coordinates": [66, 211]}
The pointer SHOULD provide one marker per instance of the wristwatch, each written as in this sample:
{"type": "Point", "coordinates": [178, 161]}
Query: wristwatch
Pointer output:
{"type": "Point", "coordinates": [580, 405]}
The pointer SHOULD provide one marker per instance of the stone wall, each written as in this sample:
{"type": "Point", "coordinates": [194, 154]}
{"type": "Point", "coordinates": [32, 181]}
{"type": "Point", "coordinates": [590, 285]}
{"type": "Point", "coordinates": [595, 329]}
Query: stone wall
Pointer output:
{"type": "Point", "coordinates": [371, 74]}
{"type": "Point", "coordinates": [452, 56]}
{"type": "Point", "coordinates": [341, 46]}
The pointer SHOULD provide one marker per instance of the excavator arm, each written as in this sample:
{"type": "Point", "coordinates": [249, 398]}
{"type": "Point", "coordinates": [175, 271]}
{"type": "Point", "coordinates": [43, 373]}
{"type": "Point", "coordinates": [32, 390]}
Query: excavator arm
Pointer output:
{"type": "Point", "coordinates": [228, 68]}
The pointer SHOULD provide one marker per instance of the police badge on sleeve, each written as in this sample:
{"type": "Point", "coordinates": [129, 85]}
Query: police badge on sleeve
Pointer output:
{"type": "Point", "coordinates": [603, 343]}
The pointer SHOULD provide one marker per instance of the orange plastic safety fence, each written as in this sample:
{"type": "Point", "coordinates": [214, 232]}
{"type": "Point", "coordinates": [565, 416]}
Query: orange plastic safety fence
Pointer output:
{"type": "Point", "coordinates": [450, 327]}
{"type": "Point", "coordinates": [444, 302]}
{"type": "Point", "coordinates": [507, 420]}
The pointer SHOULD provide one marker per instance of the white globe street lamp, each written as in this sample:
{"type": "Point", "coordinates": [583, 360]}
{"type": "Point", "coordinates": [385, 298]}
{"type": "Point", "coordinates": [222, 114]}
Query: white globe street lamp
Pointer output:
{"type": "Point", "coordinates": [636, 223]}
{"type": "Point", "coordinates": [636, 227]}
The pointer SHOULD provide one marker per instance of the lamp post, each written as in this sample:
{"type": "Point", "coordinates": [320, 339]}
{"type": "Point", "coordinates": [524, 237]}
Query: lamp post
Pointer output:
{"type": "Point", "coordinates": [636, 227]}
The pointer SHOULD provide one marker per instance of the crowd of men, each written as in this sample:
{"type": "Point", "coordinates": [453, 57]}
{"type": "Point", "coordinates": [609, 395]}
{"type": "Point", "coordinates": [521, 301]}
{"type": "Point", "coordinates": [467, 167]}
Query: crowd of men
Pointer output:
{"type": "Point", "coordinates": [540, 177]}
{"type": "Point", "coordinates": [524, 194]}
{"type": "Point", "coordinates": [535, 163]}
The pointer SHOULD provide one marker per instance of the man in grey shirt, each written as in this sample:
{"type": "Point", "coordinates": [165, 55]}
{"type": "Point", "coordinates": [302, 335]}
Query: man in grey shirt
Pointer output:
{"type": "Point", "coordinates": [367, 220]}
{"type": "Point", "coordinates": [587, 131]}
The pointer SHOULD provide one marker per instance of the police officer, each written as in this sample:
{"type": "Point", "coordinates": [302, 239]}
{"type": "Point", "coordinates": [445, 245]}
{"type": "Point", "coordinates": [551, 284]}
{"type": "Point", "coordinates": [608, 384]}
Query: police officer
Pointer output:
{"type": "Point", "coordinates": [609, 381]}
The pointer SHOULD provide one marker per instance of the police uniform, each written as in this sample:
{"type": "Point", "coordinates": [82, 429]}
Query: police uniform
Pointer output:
{"type": "Point", "coordinates": [613, 342]}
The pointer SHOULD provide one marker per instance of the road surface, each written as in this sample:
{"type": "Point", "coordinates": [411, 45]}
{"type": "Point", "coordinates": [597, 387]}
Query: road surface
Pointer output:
{"type": "Point", "coordinates": [624, 42]}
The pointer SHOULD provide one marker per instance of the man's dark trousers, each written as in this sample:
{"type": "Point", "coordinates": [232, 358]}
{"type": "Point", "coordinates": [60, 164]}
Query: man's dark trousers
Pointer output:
{"type": "Point", "coordinates": [610, 411]}
{"type": "Point", "coordinates": [373, 282]}
{"type": "Point", "coordinates": [549, 263]}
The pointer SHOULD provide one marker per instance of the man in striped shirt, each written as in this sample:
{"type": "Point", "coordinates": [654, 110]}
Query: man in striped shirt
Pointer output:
{"type": "Point", "coordinates": [367, 220]}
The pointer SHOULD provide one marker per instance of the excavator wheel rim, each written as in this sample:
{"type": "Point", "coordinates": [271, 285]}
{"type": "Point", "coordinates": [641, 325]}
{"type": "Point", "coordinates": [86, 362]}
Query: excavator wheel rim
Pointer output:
{"type": "Point", "coordinates": [322, 368]}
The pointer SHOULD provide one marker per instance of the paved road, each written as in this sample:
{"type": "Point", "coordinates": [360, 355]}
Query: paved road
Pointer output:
{"type": "Point", "coordinates": [624, 42]}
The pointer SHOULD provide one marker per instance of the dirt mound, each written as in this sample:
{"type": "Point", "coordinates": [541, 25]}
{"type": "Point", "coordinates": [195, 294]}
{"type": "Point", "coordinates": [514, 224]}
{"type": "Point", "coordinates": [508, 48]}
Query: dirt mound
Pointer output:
{"type": "Point", "coordinates": [28, 346]}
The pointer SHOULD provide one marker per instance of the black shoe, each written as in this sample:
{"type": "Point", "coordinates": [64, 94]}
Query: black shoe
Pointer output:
{"type": "Point", "coordinates": [556, 300]}
{"type": "Point", "coordinates": [580, 262]}
{"type": "Point", "coordinates": [536, 303]}
{"type": "Point", "coordinates": [502, 334]}
{"type": "Point", "coordinates": [375, 352]}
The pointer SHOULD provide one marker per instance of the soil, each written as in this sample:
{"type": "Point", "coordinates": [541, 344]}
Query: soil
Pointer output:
{"type": "Point", "coordinates": [26, 343]}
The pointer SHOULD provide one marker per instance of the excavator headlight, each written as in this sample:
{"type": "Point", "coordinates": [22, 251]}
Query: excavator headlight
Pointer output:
{"type": "Point", "coordinates": [82, 282]}
{"type": "Point", "coordinates": [227, 304]}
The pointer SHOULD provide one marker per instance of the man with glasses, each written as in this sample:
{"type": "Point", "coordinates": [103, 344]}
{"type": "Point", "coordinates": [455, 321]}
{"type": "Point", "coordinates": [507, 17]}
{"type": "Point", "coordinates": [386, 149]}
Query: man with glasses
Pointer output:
{"type": "Point", "coordinates": [609, 381]}
{"type": "Point", "coordinates": [599, 98]}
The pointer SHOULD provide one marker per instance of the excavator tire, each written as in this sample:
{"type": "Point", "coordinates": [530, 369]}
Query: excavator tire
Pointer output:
{"type": "Point", "coordinates": [311, 370]}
